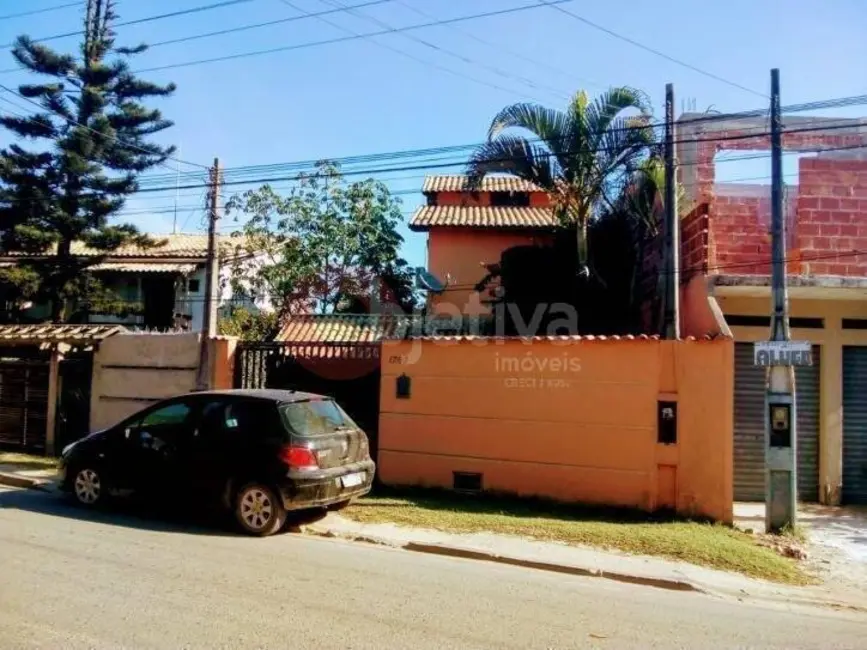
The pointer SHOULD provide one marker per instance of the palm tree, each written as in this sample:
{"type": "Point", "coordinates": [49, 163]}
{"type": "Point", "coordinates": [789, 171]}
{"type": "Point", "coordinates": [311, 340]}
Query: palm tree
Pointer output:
{"type": "Point", "coordinates": [581, 156]}
{"type": "Point", "coordinates": [631, 223]}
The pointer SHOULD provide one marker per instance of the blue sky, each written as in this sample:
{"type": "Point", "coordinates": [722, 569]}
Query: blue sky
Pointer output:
{"type": "Point", "coordinates": [362, 96]}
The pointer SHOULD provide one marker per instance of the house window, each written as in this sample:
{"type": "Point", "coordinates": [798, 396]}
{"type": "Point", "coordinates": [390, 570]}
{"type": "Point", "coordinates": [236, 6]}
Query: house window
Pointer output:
{"type": "Point", "coordinates": [193, 285]}
{"type": "Point", "coordinates": [510, 199]}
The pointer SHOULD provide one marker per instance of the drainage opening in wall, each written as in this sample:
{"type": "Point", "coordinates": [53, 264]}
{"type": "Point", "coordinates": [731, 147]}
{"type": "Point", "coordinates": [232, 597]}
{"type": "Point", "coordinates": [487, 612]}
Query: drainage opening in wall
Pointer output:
{"type": "Point", "coordinates": [467, 481]}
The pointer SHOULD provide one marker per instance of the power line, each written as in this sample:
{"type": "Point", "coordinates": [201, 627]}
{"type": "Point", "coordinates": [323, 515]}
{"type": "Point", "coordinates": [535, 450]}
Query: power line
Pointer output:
{"type": "Point", "coordinates": [147, 19]}
{"type": "Point", "coordinates": [362, 172]}
{"type": "Point", "coordinates": [103, 135]}
{"type": "Point", "coordinates": [343, 39]}
{"type": "Point", "coordinates": [462, 162]}
{"type": "Point", "coordinates": [504, 48]}
{"type": "Point", "coordinates": [40, 11]}
{"type": "Point", "coordinates": [647, 48]}
{"type": "Point", "coordinates": [269, 23]}
{"type": "Point", "coordinates": [465, 148]}
{"type": "Point", "coordinates": [444, 165]}
{"type": "Point", "coordinates": [404, 53]}
{"type": "Point", "coordinates": [442, 50]}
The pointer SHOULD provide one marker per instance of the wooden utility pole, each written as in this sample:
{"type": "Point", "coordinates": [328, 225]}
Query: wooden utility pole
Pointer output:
{"type": "Point", "coordinates": [212, 279]}
{"type": "Point", "coordinates": [671, 251]}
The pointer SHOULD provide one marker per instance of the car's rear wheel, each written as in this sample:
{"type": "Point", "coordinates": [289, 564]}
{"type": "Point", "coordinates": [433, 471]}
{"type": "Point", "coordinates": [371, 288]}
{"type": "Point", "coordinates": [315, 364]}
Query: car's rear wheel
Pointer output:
{"type": "Point", "coordinates": [88, 487]}
{"type": "Point", "coordinates": [259, 510]}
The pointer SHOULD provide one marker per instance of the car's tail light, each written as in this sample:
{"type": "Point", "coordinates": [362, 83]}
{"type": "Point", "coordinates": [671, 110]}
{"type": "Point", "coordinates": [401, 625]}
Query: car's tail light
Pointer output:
{"type": "Point", "coordinates": [299, 457]}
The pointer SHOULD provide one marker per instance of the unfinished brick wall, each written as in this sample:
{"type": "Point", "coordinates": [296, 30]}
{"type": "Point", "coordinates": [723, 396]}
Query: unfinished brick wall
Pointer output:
{"type": "Point", "coordinates": [832, 217]}
{"type": "Point", "coordinates": [827, 209]}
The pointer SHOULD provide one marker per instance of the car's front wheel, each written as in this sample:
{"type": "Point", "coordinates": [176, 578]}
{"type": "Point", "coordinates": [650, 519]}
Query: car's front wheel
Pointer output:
{"type": "Point", "coordinates": [88, 487]}
{"type": "Point", "coordinates": [259, 510]}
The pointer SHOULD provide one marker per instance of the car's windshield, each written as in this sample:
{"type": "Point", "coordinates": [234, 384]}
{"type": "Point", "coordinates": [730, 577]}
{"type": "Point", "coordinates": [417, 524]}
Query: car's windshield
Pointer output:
{"type": "Point", "coordinates": [316, 417]}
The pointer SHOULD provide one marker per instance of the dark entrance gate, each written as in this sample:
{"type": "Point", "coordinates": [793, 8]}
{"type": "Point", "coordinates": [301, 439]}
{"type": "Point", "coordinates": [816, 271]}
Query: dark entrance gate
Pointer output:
{"type": "Point", "coordinates": [23, 404]}
{"type": "Point", "coordinates": [349, 373]}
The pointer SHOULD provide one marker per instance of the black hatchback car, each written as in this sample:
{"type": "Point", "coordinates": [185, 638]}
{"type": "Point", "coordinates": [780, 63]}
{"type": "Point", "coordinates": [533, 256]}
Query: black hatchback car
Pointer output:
{"type": "Point", "coordinates": [257, 453]}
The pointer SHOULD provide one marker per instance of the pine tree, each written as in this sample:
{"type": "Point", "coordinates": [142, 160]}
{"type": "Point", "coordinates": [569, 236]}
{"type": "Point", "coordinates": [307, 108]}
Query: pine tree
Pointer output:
{"type": "Point", "coordinates": [74, 163]}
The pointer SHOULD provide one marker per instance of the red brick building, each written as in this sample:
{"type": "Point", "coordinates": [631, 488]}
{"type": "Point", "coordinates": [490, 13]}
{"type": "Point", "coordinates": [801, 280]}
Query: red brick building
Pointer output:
{"type": "Point", "coordinates": [725, 236]}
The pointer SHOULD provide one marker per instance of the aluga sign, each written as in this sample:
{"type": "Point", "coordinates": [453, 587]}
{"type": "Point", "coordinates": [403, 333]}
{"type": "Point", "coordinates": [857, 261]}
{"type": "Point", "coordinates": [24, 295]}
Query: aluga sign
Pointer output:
{"type": "Point", "coordinates": [783, 353]}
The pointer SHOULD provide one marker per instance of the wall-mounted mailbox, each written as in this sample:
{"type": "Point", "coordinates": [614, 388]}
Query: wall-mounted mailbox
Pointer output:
{"type": "Point", "coordinates": [666, 423]}
{"type": "Point", "coordinates": [403, 386]}
{"type": "Point", "coordinates": [781, 425]}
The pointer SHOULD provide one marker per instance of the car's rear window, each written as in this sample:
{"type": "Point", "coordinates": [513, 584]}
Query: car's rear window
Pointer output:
{"type": "Point", "coordinates": [316, 417]}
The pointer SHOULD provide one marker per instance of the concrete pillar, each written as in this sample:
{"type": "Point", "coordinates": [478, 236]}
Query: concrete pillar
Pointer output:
{"type": "Point", "coordinates": [53, 392]}
{"type": "Point", "coordinates": [831, 422]}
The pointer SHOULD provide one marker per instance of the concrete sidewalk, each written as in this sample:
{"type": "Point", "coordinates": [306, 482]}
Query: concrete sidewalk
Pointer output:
{"type": "Point", "coordinates": [15, 475]}
{"type": "Point", "coordinates": [585, 561]}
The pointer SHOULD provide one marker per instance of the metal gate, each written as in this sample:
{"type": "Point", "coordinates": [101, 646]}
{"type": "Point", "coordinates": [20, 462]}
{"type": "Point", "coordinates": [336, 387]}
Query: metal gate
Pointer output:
{"type": "Point", "coordinates": [854, 425]}
{"type": "Point", "coordinates": [749, 433]}
{"type": "Point", "coordinates": [317, 369]}
{"type": "Point", "coordinates": [23, 404]}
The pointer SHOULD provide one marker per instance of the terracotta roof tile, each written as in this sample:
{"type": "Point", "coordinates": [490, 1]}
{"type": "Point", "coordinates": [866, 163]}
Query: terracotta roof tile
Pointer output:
{"type": "Point", "coordinates": [340, 328]}
{"type": "Point", "coordinates": [482, 217]}
{"type": "Point", "coordinates": [489, 184]}
{"type": "Point", "coordinates": [172, 246]}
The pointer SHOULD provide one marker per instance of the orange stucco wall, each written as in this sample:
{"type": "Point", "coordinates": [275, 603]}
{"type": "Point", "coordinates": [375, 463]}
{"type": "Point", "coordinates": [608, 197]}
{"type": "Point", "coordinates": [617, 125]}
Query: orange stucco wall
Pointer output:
{"type": "Point", "coordinates": [700, 314]}
{"type": "Point", "coordinates": [459, 254]}
{"type": "Point", "coordinates": [573, 421]}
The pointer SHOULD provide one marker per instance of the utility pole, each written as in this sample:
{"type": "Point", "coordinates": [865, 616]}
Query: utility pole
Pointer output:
{"type": "Point", "coordinates": [212, 278]}
{"type": "Point", "coordinates": [781, 439]}
{"type": "Point", "coordinates": [671, 254]}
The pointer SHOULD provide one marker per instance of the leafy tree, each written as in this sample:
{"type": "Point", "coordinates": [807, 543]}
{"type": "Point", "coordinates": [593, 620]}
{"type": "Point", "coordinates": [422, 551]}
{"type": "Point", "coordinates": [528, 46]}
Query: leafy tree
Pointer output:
{"type": "Point", "coordinates": [87, 145]}
{"type": "Point", "coordinates": [249, 325]}
{"type": "Point", "coordinates": [323, 248]}
{"type": "Point", "coordinates": [581, 156]}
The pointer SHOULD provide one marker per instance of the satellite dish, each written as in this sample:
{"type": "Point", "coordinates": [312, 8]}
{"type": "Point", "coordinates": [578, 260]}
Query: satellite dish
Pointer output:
{"type": "Point", "coordinates": [428, 281]}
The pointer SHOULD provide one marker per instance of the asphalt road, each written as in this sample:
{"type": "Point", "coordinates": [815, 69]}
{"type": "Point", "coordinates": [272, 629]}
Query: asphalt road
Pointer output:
{"type": "Point", "coordinates": [71, 579]}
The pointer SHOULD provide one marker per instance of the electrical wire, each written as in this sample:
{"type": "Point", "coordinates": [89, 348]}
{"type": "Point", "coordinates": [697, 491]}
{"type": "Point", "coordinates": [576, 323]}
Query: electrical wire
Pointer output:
{"type": "Point", "coordinates": [34, 12]}
{"type": "Point", "coordinates": [353, 172]}
{"type": "Point", "coordinates": [499, 46]}
{"type": "Point", "coordinates": [147, 19]}
{"type": "Point", "coordinates": [84, 126]}
{"type": "Point", "coordinates": [279, 21]}
{"type": "Point", "coordinates": [406, 54]}
{"type": "Point", "coordinates": [343, 39]}
{"type": "Point", "coordinates": [456, 163]}
{"type": "Point", "coordinates": [647, 48]}
{"type": "Point", "coordinates": [442, 50]}
{"type": "Point", "coordinates": [468, 148]}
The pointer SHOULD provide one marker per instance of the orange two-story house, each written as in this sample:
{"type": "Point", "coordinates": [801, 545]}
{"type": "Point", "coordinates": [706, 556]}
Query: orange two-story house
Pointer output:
{"type": "Point", "coordinates": [468, 229]}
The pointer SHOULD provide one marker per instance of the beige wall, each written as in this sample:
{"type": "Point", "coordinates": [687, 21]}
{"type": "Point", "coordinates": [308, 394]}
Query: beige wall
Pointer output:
{"type": "Point", "coordinates": [831, 338]}
{"type": "Point", "coordinates": [569, 420]}
{"type": "Point", "coordinates": [131, 371]}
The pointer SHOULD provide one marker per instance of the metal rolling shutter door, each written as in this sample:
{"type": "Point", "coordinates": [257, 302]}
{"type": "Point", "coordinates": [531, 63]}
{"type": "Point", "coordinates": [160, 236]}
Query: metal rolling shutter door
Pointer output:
{"type": "Point", "coordinates": [749, 434]}
{"type": "Point", "coordinates": [854, 425]}
{"type": "Point", "coordinates": [808, 387]}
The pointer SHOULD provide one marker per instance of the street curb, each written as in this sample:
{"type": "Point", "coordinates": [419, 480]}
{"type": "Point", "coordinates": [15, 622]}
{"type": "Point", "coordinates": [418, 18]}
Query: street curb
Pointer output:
{"type": "Point", "coordinates": [14, 480]}
{"type": "Point", "coordinates": [660, 583]}
{"type": "Point", "coordinates": [451, 551]}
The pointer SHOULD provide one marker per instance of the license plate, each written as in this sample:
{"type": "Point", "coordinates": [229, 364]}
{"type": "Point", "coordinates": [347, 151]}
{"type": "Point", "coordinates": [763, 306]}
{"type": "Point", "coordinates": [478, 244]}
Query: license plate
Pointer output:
{"type": "Point", "coordinates": [352, 480]}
